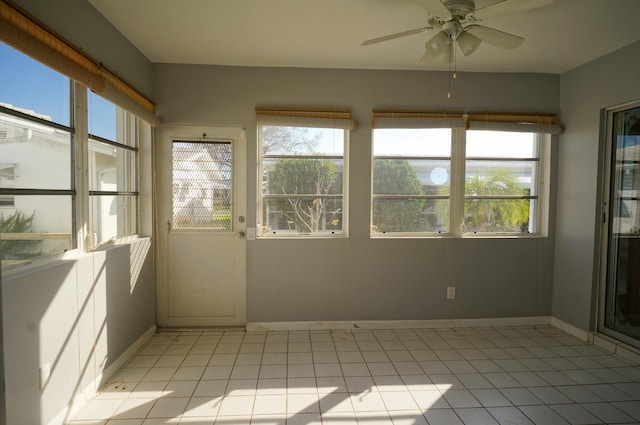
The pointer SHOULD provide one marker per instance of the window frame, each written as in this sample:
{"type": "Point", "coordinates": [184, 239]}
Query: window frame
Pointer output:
{"type": "Point", "coordinates": [127, 139]}
{"type": "Point", "coordinates": [81, 218]}
{"type": "Point", "coordinates": [7, 201]}
{"type": "Point", "coordinates": [541, 126]}
{"type": "Point", "coordinates": [232, 191]}
{"type": "Point", "coordinates": [310, 119]}
{"type": "Point", "coordinates": [377, 196]}
{"type": "Point", "coordinates": [538, 173]}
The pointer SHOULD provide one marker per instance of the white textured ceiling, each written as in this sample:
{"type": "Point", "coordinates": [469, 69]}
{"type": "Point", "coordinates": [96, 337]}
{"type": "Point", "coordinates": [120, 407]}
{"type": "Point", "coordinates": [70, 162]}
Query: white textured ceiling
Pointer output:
{"type": "Point", "coordinates": [328, 33]}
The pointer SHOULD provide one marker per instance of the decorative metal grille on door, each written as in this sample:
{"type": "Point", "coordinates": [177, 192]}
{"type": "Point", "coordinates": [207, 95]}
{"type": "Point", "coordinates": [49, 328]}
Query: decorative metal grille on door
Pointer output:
{"type": "Point", "coordinates": [202, 185]}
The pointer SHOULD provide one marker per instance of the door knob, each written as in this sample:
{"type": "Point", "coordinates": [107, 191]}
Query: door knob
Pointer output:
{"type": "Point", "coordinates": [241, 234]}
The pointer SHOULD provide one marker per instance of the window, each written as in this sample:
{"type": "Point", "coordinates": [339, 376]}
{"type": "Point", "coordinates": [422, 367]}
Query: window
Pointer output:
{"type": "Point", "coordinates": [303, 172]}
{"type": "Point", "coordinates": [113, 170]}
{"type": "Point", "coordinates": [411, 182]}
{"type": "Point", "coordinates": [7, 175]}
{"type": "Point", "coordinates": [62, 174]}
{"type": "Point", "coordinates": [501, 187]}
{"type": "Point", "coordinates": [36, 146]}
{"type": "Point", "coordinates": [202, 185]}
{"type": "Point", "coordinates": [430, 176]}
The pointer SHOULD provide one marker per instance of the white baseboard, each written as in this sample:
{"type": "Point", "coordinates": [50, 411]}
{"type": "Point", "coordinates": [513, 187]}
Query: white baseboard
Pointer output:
{"type": "Point", "coordinates": [572, 330]}
{"type": "Point", "coordinates": [399, 324]}
{"type": "Point", "coordinates": [114, 367]}
{"type": "Point", "coordinates": [92, 389]}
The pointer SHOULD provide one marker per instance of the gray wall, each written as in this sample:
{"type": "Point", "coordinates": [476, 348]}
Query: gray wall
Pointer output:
{"type": "Point", "coordinates": [78, 316]}
{"type": "Point", "coordinates": [359, 278]}
{"type": "Point", "coordinates": [584, 91]}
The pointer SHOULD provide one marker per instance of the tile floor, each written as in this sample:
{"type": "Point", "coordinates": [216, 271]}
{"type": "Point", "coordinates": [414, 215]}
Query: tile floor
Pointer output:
{"type": "Point", "coordinates": [515, 375]}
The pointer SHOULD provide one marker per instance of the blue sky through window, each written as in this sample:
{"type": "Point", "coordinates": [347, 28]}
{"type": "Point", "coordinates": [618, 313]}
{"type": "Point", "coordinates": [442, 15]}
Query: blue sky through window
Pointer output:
{"type": "Point", "coordinates": [27, 84]}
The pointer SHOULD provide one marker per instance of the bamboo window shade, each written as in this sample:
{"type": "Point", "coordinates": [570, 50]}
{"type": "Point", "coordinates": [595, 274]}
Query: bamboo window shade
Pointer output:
{"type": "Point", "coordinates": [517, 122]}
{"type": "Point", "coordinates": [315, 118]}
{"type": "Point", "coordinates": [535, 123]}
{"type": "Point", "coordinates": [416, 119]}
{"type": "Point", "coordinates": [30, 37]}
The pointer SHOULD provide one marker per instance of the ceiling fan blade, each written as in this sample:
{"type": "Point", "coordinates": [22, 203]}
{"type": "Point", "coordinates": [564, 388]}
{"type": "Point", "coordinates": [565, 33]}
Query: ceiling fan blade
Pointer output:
{"type": "Point", "coordinates": [505, 7]}
{"type": "Point", "coordinates": [501, 39]}
{"type": "Point", "coordinates": [396, 35]}
{"type": "Point", "coordinates": [435, 7]}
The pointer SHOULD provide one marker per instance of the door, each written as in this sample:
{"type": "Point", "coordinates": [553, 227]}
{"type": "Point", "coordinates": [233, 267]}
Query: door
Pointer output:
{"type": "Point", "coordinates": [620, 294]}
{"type": "Point", "coordinates": [200, 188]}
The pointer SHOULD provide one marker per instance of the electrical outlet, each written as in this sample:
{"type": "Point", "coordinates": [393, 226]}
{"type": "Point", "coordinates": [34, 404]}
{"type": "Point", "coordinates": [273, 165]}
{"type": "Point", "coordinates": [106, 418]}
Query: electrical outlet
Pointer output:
{"type": "Point", "coordinates": [251, 233]}
{"type": "Point", "coordinates": [451, 292]}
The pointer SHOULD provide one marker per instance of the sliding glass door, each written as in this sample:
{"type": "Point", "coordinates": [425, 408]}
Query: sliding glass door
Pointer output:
{"type": "Point", "coordinates": [620, 306]}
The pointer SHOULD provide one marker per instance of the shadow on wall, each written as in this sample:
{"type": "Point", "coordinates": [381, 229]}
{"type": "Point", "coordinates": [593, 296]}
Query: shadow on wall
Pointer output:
{"type": "Point", "coordinates": [67, 322]}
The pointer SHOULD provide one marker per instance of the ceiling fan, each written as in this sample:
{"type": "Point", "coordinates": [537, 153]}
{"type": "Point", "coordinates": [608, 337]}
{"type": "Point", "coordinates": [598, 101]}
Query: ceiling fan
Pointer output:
{"type": "Point", "coordinates": [457, 21]}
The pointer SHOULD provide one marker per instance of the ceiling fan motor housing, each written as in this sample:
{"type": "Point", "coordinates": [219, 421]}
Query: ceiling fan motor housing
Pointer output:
{"type": "Point", "coordinates": [460, 8]}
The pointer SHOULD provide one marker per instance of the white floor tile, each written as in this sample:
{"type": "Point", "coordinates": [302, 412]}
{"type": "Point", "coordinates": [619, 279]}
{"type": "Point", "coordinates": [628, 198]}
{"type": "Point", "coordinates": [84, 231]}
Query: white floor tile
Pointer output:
{"type": "Point", "coordinates": [236, 406]}
{"type": "Point", "coordinates": [237, 387]}
{"type": "Point", "coordinates": [508, 375]}
{"type": "Point", "coordinates": [576, 414]}
{"type": "Point", "coordinates": [398, 400]}
{"type": "Point", "coordinates": [476, 416]}
{"type": "Point", "coordinates": [304, 419]}
{"type": "Point", "coordinates": [302, 403]}
{"type": "Point", "coordinates": [442, 417]}
{"type": "Point", "coordinates": [134, 408]}
{"type": "Point", "coordinates": [520, 396]}
{"type": "Point", "coordinates": [99, 409]}
{"type": "Point", "coordinates": [543, 415]}
{"type": "Point", "coordinates": [327, 369]}
{"type": "Point", "coordinates": [407, 417]}
{"type": "Point", "coordinates": [490, 397]}
{"type": "Point", "coordinates": [302, 385]}
{"type": "Point", "coordinates": [367, 402]}
{"type": "Point", "coordinates": [160, 374]}
{"type": "Point", "coordinates": [460, 399]}
{"type": "Point", "coordinates": [373, 418]}
{"type": "Point", "coordinates": [210, 388]}
{"type": "Point", "coordinates": [270, 404]}
{"type": "Point", "coordinates": [271, 386]}
{"type": "Point", "coordinates": [170, 360]}
{"type": "Point", "coordinates": [608, 413]}
{"type": "Point", "coordinates": [430, 399]}
{"type": "Point", "coordinates": [168, 408]}
{"type": "Point", "coordinates": [300, 370]}
{"type": "Point", "coordinates": [359, 384]}
{"type": "Point", "coordinates": [203, 407]}
{"type": "Point", "coordinates": [333, 403]}
{"type": "Point", "coordinates": [389, 383]}
{"type": "Point", "coordinates": [509, 415]}
{"type": "Point", "coordinates": [331, 385]}
{"type": "Point", "coordinates": [180, 388]}
{"type": "Point", "coordinates": [355, 369]}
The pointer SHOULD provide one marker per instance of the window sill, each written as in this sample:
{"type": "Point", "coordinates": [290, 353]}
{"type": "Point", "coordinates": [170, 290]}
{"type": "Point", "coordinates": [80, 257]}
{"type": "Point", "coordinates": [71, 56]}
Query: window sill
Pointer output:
{"type": "Point", "coordinates": [43, 263]}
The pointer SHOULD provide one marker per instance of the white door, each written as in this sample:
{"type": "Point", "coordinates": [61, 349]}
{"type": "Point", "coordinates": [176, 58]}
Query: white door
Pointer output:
{"type": "Point", "coordinates": [200, 192]}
